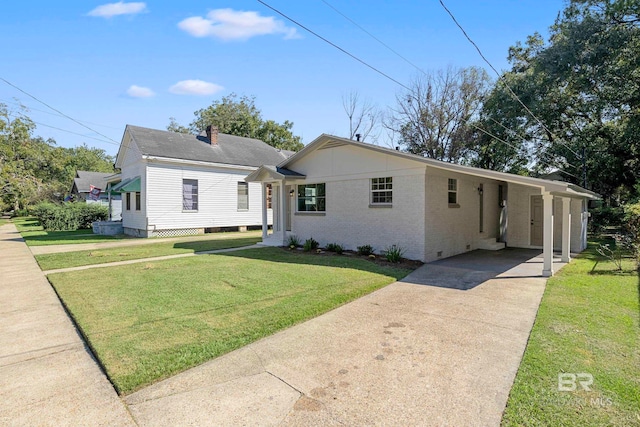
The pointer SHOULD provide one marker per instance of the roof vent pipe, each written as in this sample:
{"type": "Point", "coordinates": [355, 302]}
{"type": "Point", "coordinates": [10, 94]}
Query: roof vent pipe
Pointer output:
{"type": "Point", "coordinates": [358, 136]}
{"type": "Point", "coordinates": [397, 148]}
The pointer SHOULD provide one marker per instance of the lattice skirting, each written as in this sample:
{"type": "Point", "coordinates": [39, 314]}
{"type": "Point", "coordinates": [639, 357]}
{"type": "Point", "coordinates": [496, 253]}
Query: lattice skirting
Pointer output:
{"type": "Point", "coordinates": [176, 232]}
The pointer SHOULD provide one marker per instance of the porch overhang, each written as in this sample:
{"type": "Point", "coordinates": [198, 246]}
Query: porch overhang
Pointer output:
{"type": "Point", "coordinates": [129, 185]}
{"type": "Point", "coordinates": [267, 173]}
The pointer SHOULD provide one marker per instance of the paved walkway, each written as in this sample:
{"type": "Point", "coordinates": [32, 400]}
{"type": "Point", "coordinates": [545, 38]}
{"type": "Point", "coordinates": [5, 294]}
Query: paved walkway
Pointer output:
{"type": "Point", "coordinates": [440, 347]}
{"type": "Point", "coordinates": [51, 249]}
{"type": "Point", "coordinates": [47, 377]}
{"type": "Point", "coordinates": [157, 258]}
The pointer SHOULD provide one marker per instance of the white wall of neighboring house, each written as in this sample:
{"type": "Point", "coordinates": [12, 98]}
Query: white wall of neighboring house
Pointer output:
{"type": "Point", "coordinates": [454, 230]}
{"type": "Point", "coordinates": [217, 197]}
{"type": "Point", "coordinates": [349, 220]}
{"type": "Point", "coordinates": [132, 166]}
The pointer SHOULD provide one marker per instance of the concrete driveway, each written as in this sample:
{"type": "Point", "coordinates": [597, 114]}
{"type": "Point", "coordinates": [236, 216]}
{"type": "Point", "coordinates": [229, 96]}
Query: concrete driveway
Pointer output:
{"type": "Point", "coordinates": [441, 347]}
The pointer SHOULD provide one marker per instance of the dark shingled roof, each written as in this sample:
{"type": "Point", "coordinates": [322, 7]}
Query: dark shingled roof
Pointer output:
{"type": "Point", "coordinates": [230, 149]}
{"type": "Point", "coordinates": [85, 179]}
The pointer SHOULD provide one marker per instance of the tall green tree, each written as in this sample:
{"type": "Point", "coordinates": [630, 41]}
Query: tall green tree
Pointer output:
{"type": "Point", "coordinates": [583, 87]}
{"type": "Point", "coordinates": [239, 116]}
{"type": "Point", "coordinates": [33, 169]}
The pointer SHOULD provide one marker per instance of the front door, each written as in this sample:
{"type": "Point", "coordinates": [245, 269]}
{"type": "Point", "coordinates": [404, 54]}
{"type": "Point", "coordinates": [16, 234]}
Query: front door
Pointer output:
{"type": "Point", "coordinates": [536, 221]}
{"type": "Point", "coordinates": [287, 212]}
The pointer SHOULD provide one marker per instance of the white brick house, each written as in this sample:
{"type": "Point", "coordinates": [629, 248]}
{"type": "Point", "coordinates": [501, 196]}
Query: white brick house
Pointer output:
{"type": "Point", "coordinates": [353, 193]}
{"type": "Point", "coordinates": [178, 184]}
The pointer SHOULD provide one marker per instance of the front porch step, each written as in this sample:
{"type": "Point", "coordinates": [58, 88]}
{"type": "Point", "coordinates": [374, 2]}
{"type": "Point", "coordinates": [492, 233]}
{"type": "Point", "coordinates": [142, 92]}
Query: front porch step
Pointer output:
{"type": "Point", "coordinates": [491, 244]}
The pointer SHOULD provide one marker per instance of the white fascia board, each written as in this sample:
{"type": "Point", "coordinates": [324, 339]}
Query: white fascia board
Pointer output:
{"type": "Point", "coordinates": [197, 163]}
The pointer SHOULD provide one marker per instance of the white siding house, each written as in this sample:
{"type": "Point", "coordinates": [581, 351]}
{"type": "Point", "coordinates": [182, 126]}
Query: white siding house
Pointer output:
{"type": "Point", "coordinates": [81, 190]}
{"type": "Point", "coordinates": [352, 193]}
{"type": "Point", "coordinates": [179, 184]}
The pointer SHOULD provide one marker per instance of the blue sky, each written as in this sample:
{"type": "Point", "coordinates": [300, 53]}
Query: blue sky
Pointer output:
{"type": "Point", "coordinates": [112, 64]}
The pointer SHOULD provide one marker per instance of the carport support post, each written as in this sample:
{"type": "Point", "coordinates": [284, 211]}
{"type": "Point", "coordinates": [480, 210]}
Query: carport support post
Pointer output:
{"type": "Point", "coordinates": [284, 199]}
{"type": "Point", "coordinates": [547, 238]}
{"type": "Point", "coordinates": [265, 226]}
{"type": "Point", "coordinates": [566, 229]}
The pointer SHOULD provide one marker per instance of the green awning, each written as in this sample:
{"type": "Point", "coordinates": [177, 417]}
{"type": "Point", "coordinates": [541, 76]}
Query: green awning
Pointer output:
{"type": "Point", "coordinates": [129, 185]}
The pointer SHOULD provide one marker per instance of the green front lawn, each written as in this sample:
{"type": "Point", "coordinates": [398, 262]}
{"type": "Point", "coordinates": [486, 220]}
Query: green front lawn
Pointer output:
{"type": "Point", "coordinates": [101, 256]}
{"type": "Point", "coordinates": [588, 323]}
{"type": "Point", "coordinates": [34, 235]}
{"type": "Point", "coordinates": [151, 320]}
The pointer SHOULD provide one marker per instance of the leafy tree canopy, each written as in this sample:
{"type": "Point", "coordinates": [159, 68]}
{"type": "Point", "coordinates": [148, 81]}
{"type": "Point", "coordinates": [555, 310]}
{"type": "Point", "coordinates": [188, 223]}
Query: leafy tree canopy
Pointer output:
{"type": "Point", "coordinates": [239, 116]}
{"type": "Point", "coordinates": [32, 169]}
{"type": "Point", "coordinates": [583, 86]}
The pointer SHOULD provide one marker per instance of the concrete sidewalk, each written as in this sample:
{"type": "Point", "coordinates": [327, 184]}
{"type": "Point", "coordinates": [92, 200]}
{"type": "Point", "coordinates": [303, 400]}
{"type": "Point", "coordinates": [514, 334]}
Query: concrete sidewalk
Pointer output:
{"type": "Point", "coordinates": [423, 351]}
{"type": "Point", "coordinates": [47, 376]}
{"type": "Point", "coordinates": [53, 249]}
{"type": "Point", "coordinates": [157, 258]}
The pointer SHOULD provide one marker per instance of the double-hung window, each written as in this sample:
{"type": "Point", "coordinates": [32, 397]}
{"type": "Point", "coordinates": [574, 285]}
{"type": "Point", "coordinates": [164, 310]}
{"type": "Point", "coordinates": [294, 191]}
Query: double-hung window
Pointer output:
{"type": "Point", "coordinates": [189, 194]}
{"type": "Point", "coordinates": [382, 191]}
{"type": "Point", "coordinates": [127, 199]}
{"type": "Point", "coordinates": [453, 191]}
{"type": "Point", "coordinates": [243, 196]}
{"type": "Point", "coordinates": [311, 198]}
{"type": "Point", "coordinates": [137, 200]}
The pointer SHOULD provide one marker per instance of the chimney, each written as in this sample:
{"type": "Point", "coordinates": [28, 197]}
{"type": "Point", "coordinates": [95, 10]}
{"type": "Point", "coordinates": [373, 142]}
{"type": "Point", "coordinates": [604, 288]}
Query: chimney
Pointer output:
{"type": "Point", "coordinates": [358, 136]}
{"type": "Point", "coordinates": [212, 134]}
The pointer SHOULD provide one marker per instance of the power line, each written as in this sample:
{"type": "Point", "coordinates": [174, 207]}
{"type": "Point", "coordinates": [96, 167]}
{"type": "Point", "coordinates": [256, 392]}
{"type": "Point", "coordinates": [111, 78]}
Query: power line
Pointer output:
{"type": "Point", "coordinates": [65, 130]}
{"type": "Point", "coordinates": [502, 78]}
{"type": "Point", "coordinates": [517, 148]}
{"type": "Point", "coordinates": [374, 37]}
{"type": "Point", "coordinates": [333, 44]}
{"type": "Point", "coordinates": [20, 104]}
{"type": "Point", "coordinates": [423, 72]}
{"type": "Point", "coordinates": [58, 111]}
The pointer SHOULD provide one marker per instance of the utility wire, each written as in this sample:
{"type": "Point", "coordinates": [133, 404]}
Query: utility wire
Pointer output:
{"type": "Point", "coordinates": [501, 77]}
{"type": "Point", "coordinates": [517, 148]}
{"type": "Point", "coordinates": [58, 111]}
{"type": "Point", "coordinates": [64, 130]}
{"type": "Point", "coordinates": [423, 72]}
{"type": "Point", "coordinates": [333, 44]}
{"type": "Point", "coordinates": [375, 38]}
{"type": "Point", "coordinates": [28, 108]}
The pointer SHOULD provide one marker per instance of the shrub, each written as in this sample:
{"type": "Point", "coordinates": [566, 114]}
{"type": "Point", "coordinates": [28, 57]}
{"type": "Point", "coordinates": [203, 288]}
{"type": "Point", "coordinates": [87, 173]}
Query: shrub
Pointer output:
{"type": "Point", "coordinates": [69, 216]}
{"type": "Point", "coordinates": [604, 217]}
{"type": "Point", "coordinates": [394, 253]}
{"type": "Point", "coordinates": [310, 244]}
{"type": "Point", "coordinates": [335, 247]}
{"type": "Point", "coordinates": [293, 242]}
{"type": "Point", "coordinates": [365, 250]}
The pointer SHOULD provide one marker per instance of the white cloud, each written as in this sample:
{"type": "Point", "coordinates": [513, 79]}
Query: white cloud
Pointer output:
{"type": "Point", "coordinates": [121, 8]}
{"type": "Point", "coordinates": [195, 87]}
{"type": "Point", "coordinates": [229, 24]}
{"type": "Point", "coordinates": [135, 91]}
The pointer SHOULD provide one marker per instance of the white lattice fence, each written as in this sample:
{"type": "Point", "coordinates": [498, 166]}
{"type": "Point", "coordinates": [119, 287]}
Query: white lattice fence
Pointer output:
{"type": "Point", "coordinates": [176, 232]}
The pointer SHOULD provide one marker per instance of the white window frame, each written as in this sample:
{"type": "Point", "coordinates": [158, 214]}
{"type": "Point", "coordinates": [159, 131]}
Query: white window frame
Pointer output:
{"type": "Point", "coordinates": [452, 189]}
{"type": "Point", "coordinates": [138, 199]}
{"type": "Point", "coordinates": [193, 200]}
{"type": "Point", "coordinates": [244, 187]}
{"type": "Point", "coordinates": [127, 201]}
{"type": "Point", "coordinates": [381, 188]}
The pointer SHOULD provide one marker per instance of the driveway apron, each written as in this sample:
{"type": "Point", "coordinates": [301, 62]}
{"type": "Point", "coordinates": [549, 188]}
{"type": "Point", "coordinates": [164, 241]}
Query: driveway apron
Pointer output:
{"type": "Point", "coordinates": [440, 347]}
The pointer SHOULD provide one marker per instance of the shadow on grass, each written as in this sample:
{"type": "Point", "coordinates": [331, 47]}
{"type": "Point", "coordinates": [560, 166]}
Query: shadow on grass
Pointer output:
{"type": "Point", "coordinates": [62, 237]}
{"type": "Point", "coordinates": [215, 244]}
{"type": "Point", "coordinates": [398, 271]}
